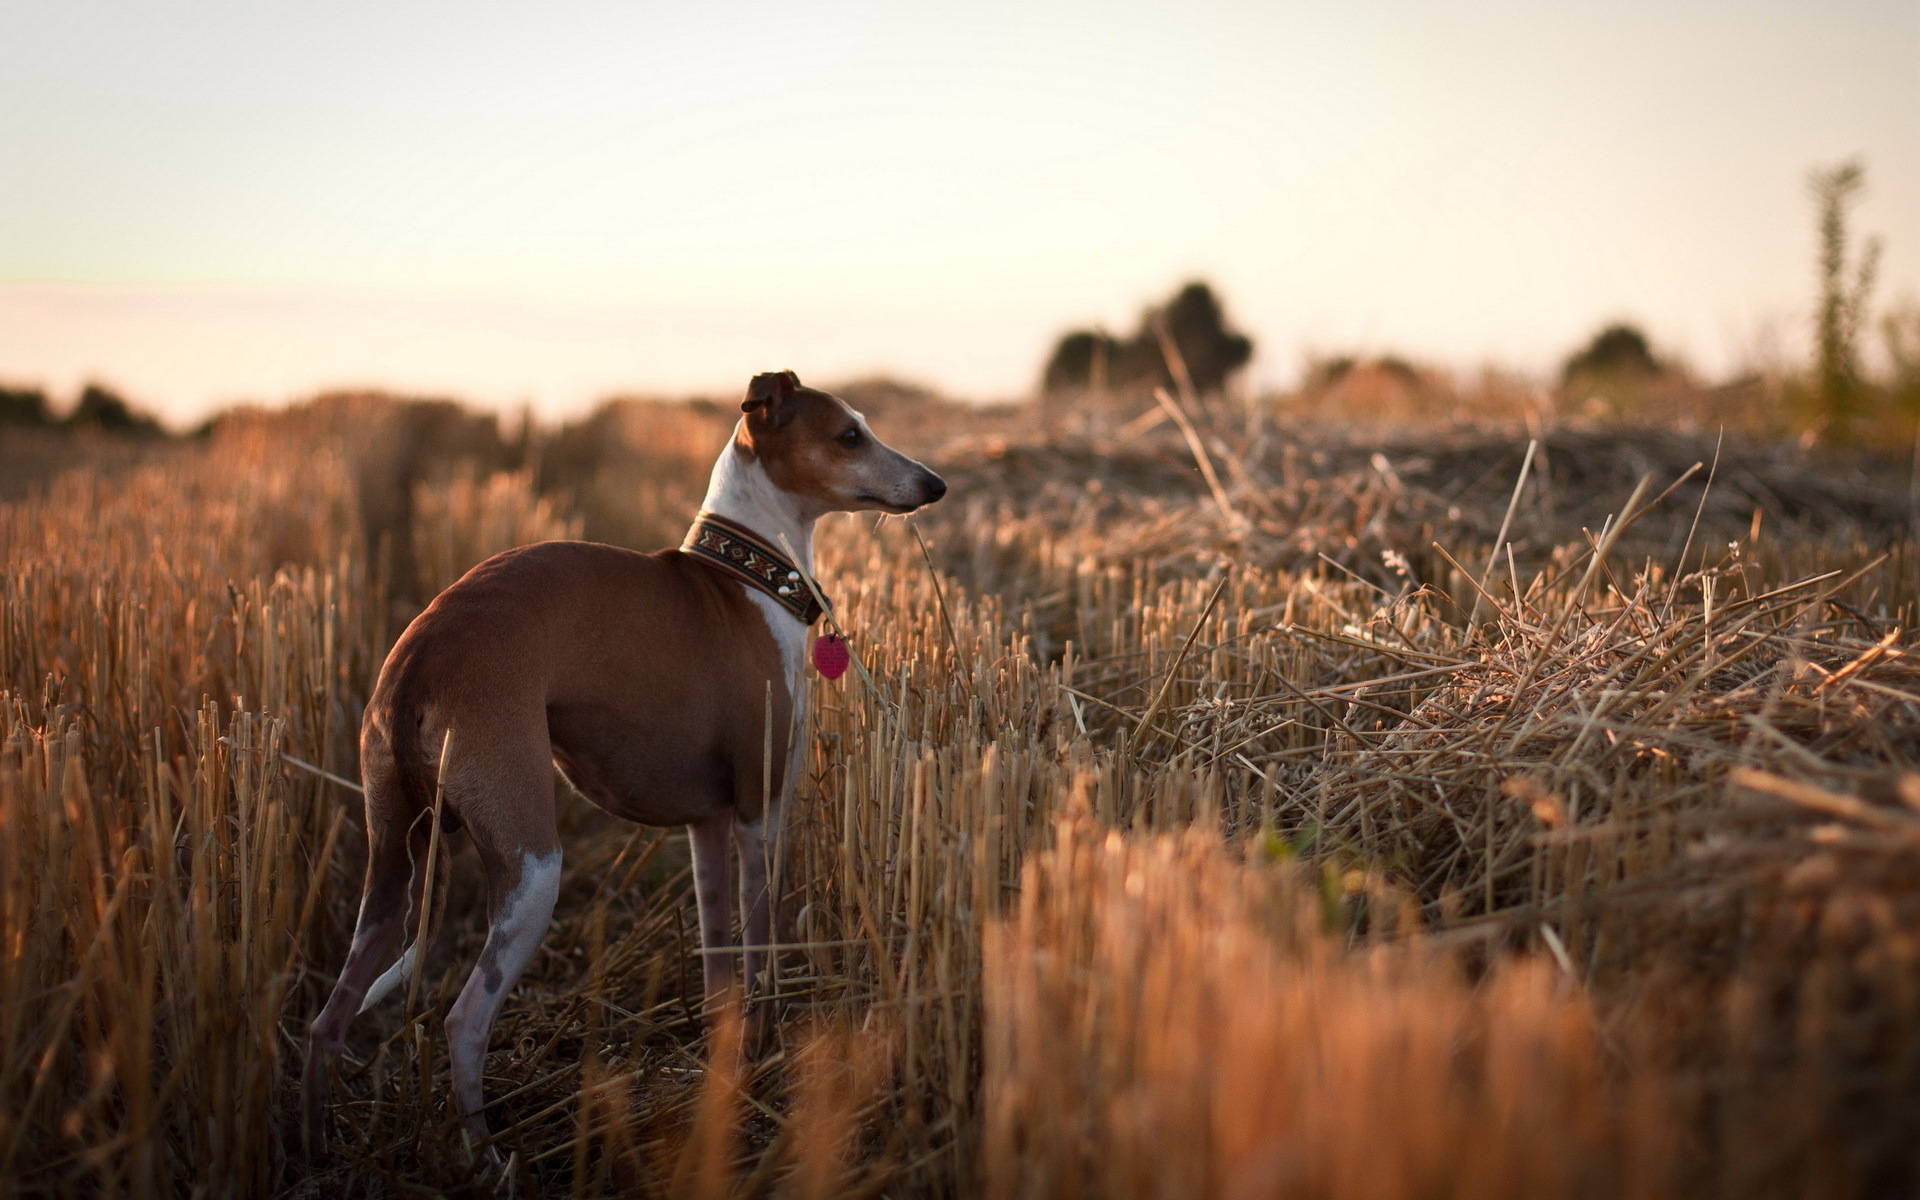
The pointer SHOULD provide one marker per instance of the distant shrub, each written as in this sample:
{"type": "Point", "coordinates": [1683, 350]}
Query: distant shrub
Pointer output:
{"type": "Point", "coordinates": [1193, 320]}
{"type": "Point", "coordinates": [1328, 372]}
{"type": "Point", "coordinates": [1080, 360]}
{"type": "Point", "coordinates": [103, 410]}
{"type": "Point", "coordinates": [1386, 388]}
{"type": "Point", "coordinates": [1400, 369]}
{"type": "Point", "coordinates": [1617, 376]}
{"type": "Point", "coordinates": [1618, 350]}
{"type": "Point", "coordinates": [24, 406]}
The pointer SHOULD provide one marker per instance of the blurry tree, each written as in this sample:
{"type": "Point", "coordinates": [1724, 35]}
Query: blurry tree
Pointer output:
{"type": "Point", "coordinates": [1198, 326]}
{"type": "Point", "coordinates": [1901, 330]}
{"type": "Point", "coordinates": [1323, 373]}
{"type": "Point", "coordinates": [1617, 376]}
{"type": "Point", "coordinates": [101, 409]}
{"type": "Point", "coordinates": [1193, 320]}
{"type": "Point", "coordinates": [1844, 288]}
{"type": "Point", "coordinates": [1327, 372]}
{"type": "Point", "coordinates": [1618, 350]}
{"type": "Point", "coordinates": [24, 406]}
{"type": "Point", "coordinates": [1080, 360]}
{"type": "Point", "coordinates": [1400, 369]}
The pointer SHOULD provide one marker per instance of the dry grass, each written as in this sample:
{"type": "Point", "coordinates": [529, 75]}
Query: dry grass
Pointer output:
{"type": "Point", "coordinates": [1177, 840]}
{"type": "Point", "coordinates": [1168, 1020]}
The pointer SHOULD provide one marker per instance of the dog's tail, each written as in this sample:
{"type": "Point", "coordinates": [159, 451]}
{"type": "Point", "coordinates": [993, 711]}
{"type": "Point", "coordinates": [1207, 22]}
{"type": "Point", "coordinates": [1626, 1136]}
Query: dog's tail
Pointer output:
{"type": "Point", "coordinates": [415, 769]}
{"type": "Point", "coordinates": [412, 786]}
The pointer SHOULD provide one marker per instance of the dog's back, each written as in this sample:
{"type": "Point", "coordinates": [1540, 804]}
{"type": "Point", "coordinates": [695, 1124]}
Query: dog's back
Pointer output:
{"type": "Point", "coordinates": [541, 651]}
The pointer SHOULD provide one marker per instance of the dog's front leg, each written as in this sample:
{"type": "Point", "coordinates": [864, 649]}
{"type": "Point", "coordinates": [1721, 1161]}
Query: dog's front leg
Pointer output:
{"type": "Point", "coordinates": [710, 852]}
{"type": "Point", "coordinates": [756, 923]}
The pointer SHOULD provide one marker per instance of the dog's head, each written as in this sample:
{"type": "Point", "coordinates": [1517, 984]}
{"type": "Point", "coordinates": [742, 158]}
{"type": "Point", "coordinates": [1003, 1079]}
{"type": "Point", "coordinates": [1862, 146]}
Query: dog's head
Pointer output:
{"type": "Point", "coordinates": [811, 444]}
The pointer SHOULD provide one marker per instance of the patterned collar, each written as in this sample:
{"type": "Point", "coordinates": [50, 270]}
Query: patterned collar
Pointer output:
{"type": "Point", "coordinates": [739, 551]}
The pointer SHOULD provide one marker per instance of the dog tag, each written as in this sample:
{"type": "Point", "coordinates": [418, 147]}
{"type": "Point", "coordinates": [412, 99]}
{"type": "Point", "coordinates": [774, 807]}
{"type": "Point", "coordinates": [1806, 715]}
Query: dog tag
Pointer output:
{"type": "Point", "coordinates": [830, 655]}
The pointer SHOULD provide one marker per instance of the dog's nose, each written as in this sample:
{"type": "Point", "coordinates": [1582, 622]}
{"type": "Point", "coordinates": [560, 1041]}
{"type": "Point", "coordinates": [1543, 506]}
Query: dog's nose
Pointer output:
{"type": "Point", "coordinates": [936, 487]}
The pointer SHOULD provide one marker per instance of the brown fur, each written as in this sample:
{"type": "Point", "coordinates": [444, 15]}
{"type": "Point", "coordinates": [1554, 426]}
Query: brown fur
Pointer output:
{"type": "Point", "coordinates": [535, 657]}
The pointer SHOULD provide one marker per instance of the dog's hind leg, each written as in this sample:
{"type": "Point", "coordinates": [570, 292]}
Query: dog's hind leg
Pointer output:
{"type": "Point", "coordinates": [523, 880]}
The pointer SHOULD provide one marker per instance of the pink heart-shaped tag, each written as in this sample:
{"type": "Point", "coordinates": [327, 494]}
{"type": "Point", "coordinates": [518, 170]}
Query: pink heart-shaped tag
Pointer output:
{"type": "Point", "coordinates": [830, 655]}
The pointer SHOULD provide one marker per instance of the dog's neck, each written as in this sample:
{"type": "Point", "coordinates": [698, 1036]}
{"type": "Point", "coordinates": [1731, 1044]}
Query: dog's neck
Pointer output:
{"type": "Point", "coordinates": [740, 491]}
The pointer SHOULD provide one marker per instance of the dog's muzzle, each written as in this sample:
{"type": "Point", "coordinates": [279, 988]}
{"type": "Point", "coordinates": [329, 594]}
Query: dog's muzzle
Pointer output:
{"type": "Point", "coordinates": [932, 487]}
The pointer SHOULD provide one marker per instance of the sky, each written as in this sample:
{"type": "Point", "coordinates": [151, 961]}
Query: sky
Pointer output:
{"type": "Point", "coordinates": [207, 203]}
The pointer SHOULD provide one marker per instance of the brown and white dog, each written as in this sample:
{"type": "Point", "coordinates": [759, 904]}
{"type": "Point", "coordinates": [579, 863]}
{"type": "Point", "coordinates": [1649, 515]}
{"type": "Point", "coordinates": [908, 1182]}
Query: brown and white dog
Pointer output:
{"type": "Point", "coordinates": [648, 679]}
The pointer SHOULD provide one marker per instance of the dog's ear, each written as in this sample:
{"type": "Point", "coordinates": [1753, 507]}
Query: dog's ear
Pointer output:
{"type": "Point", "coordinates": [771, 395]}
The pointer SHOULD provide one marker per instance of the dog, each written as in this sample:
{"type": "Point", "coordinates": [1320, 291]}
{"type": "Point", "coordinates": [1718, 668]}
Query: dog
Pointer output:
{"type": "Point", "coordinates": [648, 679]}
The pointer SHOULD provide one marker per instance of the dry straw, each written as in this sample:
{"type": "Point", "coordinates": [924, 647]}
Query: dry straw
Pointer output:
{"type": "Point", "coordinates": [1147, 854]}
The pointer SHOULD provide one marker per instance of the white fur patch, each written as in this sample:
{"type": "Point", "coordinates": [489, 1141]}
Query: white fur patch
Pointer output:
{"type": "Point", "coordinates": [789, 633]}
{"type": "Point", "coordinates": [740, 490]}
{"type": "Point", "coordinates": [390, 979]}
{"type": "Point", "coordinates": [538, 888]}
{"type": "Point", "coordinates": [518, 929]}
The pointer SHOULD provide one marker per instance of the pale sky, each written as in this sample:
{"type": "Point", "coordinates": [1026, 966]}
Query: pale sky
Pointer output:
{"type": "Point", "coordinates": [209, 202]}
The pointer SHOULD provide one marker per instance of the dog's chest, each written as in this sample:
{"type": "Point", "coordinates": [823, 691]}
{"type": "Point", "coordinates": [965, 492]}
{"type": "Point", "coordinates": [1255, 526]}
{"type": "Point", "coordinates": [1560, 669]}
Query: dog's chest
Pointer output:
{"type": "Point", "coordinates": [789, 634]}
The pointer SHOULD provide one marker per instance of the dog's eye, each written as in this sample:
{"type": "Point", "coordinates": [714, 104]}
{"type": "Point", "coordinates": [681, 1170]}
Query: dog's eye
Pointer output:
{"type": "Point", "coordinates": [850, 439]}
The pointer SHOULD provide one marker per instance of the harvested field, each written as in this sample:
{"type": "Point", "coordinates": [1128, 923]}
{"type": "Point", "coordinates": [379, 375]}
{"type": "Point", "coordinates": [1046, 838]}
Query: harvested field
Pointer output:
{"type": "Point", "coordinates": [1246, 807]}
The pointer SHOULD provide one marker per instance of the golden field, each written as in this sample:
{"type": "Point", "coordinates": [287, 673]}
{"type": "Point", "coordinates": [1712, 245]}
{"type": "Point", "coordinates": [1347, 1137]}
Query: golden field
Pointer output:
{"type": "Point", "coordinates": [1245, 806]}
